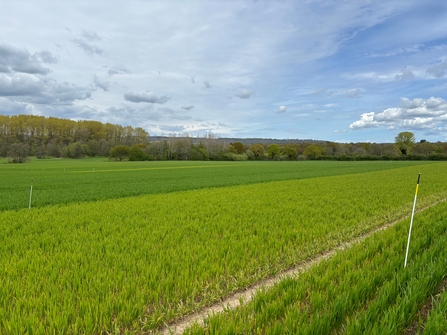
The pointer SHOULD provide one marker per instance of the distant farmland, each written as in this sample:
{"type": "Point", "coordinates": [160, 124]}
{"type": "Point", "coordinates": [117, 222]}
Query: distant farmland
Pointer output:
{"type": "Point", "coordinates": [129, 247]}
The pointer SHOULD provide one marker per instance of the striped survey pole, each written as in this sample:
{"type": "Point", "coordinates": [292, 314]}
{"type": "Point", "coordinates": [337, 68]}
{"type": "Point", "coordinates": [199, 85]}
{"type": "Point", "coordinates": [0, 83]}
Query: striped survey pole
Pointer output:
{"type": "Point", "coordinates": [30, 194]}
{"type": "Point", "coordinates": [411, 221]}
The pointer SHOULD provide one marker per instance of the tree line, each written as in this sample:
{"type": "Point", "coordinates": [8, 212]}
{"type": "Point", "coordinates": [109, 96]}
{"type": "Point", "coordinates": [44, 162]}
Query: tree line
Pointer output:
{"type": "Point", "coordinates": [23, 135]}
{"type": "Point", "coordinates": [29, 135]}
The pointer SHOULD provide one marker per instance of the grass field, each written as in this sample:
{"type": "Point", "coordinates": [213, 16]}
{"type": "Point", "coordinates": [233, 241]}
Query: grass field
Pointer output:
{"type": "Point", "coordinates": [90, 257]}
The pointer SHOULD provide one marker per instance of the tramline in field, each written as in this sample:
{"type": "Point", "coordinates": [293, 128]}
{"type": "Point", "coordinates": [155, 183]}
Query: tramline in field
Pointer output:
{"type": "Point", "coordinates": [136, 263]}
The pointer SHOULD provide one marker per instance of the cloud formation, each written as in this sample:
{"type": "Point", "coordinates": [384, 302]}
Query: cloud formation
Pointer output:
{"type": "Point", "coordinates": [438, 70]}
{"type": "Point", "coordinates": [46, 57]}
{"type": "Point", "coordinates": [414, 114]}
{"type": "Point", "coordinates": [19, 84]}
{"type": "Point", "coordinates": [281, 109]}
{"type": "Point", "coordinates": [406, 74]}
{"type": "Point", "coordinates": [20, 60]}
{"type": "Point", "coordinates": [366, 56]}
{"type": "Point", "coordinates": [91, 35]}
{"type": "Point", "coordinates": [102, 85]}
{"type": "Point", "coordinates": [145, 96]}
{"type": "Point", "coordinates": [353, 93]}
{"type": "Point", "coordinates": [117, 69]}
{"type": "Point", "coordinates": [244, 94]}
{"type": "Point", "coordinates": [41, 90]}
{"type": "Point", "coordinates": [91, 49]}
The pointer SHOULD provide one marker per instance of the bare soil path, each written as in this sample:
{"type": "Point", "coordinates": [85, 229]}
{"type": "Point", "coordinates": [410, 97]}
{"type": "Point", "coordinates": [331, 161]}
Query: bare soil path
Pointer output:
{"type": "Point", "coordinates": [245, 295]}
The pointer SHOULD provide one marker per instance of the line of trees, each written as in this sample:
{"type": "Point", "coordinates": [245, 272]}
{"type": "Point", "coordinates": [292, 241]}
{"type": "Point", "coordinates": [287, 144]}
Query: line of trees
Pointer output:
{"type": "Point", "coordinates": [29, 135]}
{"type": "Point", "coordinates": [23, 135]}
{"type": "Point", "coordinates": [184, 147]}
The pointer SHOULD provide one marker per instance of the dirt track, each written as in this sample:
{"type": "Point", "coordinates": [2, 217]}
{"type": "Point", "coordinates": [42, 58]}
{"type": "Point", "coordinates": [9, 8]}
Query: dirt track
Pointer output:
{"type": "Point", "coordinates": [234, 300]}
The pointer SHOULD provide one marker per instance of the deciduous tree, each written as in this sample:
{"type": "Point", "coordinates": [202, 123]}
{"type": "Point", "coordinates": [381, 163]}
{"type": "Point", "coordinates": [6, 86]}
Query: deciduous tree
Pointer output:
{"type": "Point", "coordinates": [18, 152]}
{"type": "Point", "coordinates": [273, 151]}
{"type": "Point", "coordinates": [405, 141]}
{"type": "Point", "coordinates": [313, 151]}
{"type": "Point", "coordinates": [258, 151]}
{"type": "Point", "coordinates": [119, 152]}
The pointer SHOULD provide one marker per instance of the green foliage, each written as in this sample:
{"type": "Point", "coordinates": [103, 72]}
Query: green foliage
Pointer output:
{"type": "Point", "coordinates": [136, 153]}
{"type": "Point", "coordinates": [235, 157]}
{"type": "Point", "coordinates": [119, 152]}
{"type": "Point", "coordinates": [405, 141]}
{"type": "Point", "coordinates": [237, 148]}
{"type": "Point", "coordinates": [290, 152]}
{"type": "Point", "coordinates": [273, 151]}
{"type": "Point", "coordinates": [258, 151]}
{"type": "Point", "coordinates": [313, 151]}
{"type": "Point", "coordinates": [38, 132]}
{"type": "Point", "coordinates": [437, 319]}
{"type": "Point", "coordinates": [199, 154]}
{"type": "Point", "coordinates": [73, 150]}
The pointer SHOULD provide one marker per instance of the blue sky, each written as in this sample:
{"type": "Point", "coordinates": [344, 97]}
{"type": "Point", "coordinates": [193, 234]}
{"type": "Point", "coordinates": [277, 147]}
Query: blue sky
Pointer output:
{"type": "Point", "coordinates": [345, 71]}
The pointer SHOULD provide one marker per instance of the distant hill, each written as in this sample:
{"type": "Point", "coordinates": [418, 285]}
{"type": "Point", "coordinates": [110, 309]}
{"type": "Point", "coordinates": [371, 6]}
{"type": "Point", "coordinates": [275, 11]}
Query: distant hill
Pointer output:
{"type": "Point", "coordinates": [255, 140]}
{"type": "Point", "coordinates": [246, 141]}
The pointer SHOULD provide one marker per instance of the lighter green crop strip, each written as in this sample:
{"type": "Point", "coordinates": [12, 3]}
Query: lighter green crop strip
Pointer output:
{"type": "Point", "coordinates": [136, 263]}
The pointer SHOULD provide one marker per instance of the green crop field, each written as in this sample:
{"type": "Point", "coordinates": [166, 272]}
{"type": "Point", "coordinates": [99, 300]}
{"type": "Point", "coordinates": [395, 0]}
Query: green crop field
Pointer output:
{"type": "Point", "coordinates": [364, 290]}
{"type": "Point", "coordinates": [127, 247]}
{"type": "Point", "coordinates": [62, 181]}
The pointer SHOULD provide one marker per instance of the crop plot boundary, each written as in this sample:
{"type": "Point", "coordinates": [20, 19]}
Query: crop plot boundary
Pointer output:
{"type": "Point", "coordinates": [245, 295]}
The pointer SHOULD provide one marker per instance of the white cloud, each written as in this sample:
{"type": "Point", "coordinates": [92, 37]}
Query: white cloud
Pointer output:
{"type": "Point", "coordinates": [281, 109]}
{"type": "Point", "coordinates": [415, 114]}
{"type": "Point", "coordinates": [187, 107]}
{"type": "Point", "coordinates": [145, 96]}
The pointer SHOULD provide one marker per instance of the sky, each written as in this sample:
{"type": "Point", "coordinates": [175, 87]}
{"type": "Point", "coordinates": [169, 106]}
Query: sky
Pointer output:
{"type": "Point", "coordinates": [342, 71]}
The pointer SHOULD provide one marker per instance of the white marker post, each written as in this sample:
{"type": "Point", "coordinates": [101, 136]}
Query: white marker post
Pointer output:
{"type": "Point", "coordinates": [411, 222]}
{"type": "Point", "coordinates": [30, 195]}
